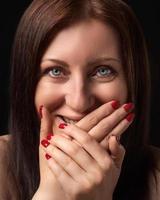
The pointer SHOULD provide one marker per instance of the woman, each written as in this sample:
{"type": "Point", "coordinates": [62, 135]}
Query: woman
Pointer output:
{"type": "Point", "coordinates": [79, 76]}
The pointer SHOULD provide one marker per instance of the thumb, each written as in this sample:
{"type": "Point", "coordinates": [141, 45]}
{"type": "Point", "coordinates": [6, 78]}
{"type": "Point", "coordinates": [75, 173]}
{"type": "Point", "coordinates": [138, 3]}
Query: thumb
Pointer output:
{"type": "Point", "coordinates": [46, 123]}
{"type": "Point", "coordinates": [116, 150]}
{"type": "Point", "coordinates": [45, 129]}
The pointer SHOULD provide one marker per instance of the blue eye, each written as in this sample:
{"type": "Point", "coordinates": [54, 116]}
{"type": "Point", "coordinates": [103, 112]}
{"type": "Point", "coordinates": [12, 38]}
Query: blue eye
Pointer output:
{"type": "Point", "coordinates": [55, 72]}
{"type": "Point", "coordinates": [104, 71]}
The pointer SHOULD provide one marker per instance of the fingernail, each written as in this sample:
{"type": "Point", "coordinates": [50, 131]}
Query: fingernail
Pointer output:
{"type": "Point", "coordinates": [49, 136]}
{"type": "Point", "coordinates": [115, 104]}
{"type": "Point", "coordinates": [108, 137]}
{"type": "Point", "coordinates": [45, 143]}
{"type": "Point", "coordinates": [40, 111]}
{"type": "Point", "coordinates": [130, 117]}
{"type": "Point", "coordinates": [62, 125]}
{"type": "Point", "coordinates": [47, 156]}
{"type": "Point", "coordinates": [128, 107]}
{"type": "Point", "coordinates": [116, 136]}
{"type": "Point", "coordinates": [118, 139]}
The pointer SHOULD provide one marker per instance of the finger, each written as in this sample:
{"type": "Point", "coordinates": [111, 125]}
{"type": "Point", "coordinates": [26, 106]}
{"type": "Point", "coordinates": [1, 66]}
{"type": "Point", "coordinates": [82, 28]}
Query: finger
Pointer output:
{"type": "Point", "coordinates": [64, 161]}
{"type": "Point", "coordinates": [58, 171]}
{"type": "Point", "coordinates": [68, 160]}
{"type": "Point", "coordinates": [106, 125]}
{"type": "Point", "coordinates": [89, 144]}
{"type": "Point", "coordinates": [68, 184]}
{"type": "Point", "coordinates": [123, 125]}
{"type": "Point", "coordinates": [45, 129]}
{"type": "Point", "coordinates": [93, 118]}
{"type": "Point", "coordinates": [75, 152]}
{"type": "Point", "coordinates": [116, 150]}
{"type": "Point", "coordinates": [119, 129]}
{"type": "Point", "coordinates": [46, 123]}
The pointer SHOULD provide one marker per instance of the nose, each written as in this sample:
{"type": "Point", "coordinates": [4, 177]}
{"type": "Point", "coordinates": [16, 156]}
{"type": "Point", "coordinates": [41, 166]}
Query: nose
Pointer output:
{"type": "Point", "coordinates": [79, 96]}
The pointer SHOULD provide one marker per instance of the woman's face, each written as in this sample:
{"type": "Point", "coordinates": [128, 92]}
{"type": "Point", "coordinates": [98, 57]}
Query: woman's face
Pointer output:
{"type": "Point", "coordinates": [81, 70]}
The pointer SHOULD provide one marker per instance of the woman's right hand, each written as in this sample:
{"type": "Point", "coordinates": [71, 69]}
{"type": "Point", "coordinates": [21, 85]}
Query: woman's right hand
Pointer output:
{"type": "Point", "coordinates": [49, 188]}
{"type": "Point", "coordinates": [114, 122]}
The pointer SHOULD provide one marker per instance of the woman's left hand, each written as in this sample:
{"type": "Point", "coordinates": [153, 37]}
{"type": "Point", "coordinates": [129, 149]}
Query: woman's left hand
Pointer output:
{"type": "Point", "coordinates": [83, 167]}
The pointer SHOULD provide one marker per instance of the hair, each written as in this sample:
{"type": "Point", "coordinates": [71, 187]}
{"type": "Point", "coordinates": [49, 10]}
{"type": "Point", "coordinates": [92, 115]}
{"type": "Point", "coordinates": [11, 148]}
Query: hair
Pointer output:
{"type": "Point", "coordinates": [39, 25]}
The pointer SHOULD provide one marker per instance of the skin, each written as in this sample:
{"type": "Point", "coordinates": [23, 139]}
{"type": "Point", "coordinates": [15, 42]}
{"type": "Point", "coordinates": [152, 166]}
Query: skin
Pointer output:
{"type": "Point", "coordinates": [85, 163]}
{"type": "Point", "coordinates": [76, 92]}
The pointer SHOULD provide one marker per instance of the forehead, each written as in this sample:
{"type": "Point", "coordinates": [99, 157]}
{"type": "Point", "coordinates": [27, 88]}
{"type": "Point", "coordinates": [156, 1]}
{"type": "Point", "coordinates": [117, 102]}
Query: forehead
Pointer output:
{"type": "Point", "coordinates": [86, 38]}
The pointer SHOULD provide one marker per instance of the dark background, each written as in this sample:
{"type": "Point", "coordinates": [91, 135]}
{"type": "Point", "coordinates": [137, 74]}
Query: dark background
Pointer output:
{"type": "Point", "coordinates": [148, 14]}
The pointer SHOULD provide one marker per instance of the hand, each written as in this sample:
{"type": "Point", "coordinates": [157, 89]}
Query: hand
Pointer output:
{"type": "Point", "coordinates": [106, 114]}
{"type": "Point", "coordinates": [83, 168]}
{"type": "Point", "coordinates": [107, 120]}
{"type": "Point", "coordinates": [49, 188]}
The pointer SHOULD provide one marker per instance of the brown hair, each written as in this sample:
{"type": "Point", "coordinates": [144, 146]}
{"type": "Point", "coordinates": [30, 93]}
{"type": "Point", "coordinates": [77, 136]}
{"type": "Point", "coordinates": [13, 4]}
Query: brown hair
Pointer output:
{"type": "Point", "coordinates": [38, 26]}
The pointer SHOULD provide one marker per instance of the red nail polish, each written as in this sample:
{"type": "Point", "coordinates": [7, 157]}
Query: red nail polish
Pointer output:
{"type": "Point", "coordinates": [130, 117]}
{"type": "Point", "coordinates": [115, 104]}
{"type": "Point", "coordinates": [45, 143]}
{"type": "Point", "coordinates": [40, 111]}
{"type": "Point", "coordinates": [49, 136]}
{"type": "Point", "coordinates": [47, 156]}
{"type": "Point", "coordinates": [62, 125]}
{"type": "Point", "coordinates": [128, 107]}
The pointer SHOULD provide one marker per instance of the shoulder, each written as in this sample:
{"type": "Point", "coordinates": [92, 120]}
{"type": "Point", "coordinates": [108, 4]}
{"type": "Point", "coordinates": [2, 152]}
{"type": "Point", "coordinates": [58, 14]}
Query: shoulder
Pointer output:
{"type": "Point", "coordinates": [7, 186]}
{"type": "Point", "coordinates": [155, 178]}
{"type": "Point", "coordinates": [4, 141]}
{"type": "Point", "coordinates": [4, 144]}
{"type": "Point", "coordinates": [4, 138]}
{"type": "Point", "coordinates": [4, 155]}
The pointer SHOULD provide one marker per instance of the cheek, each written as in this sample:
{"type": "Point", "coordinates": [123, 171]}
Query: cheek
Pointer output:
{"type": "Point", "coordinates": [48, 95]}
{"type": "Point", "coordinates": [112, 91]}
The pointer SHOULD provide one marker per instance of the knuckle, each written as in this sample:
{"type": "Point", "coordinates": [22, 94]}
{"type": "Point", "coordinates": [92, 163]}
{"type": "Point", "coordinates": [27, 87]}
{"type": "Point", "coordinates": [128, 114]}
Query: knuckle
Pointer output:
{"type": "Point", "coordinates": [73, 150]}
{"type": "Point", "coordinates": [86, 139]}
{"type": "Point", "coordinates": [88, 185]}
{"type": "Point", "coordinates": [85, 185]}
{"type": "Point", "coordinates": [107, 163]}
{"type": "Point", "coordinates": [106, 125]}
{"type": "Point", "coordinates": [98, 177]}
{"type": "Point", "coordinates": [67, 162]}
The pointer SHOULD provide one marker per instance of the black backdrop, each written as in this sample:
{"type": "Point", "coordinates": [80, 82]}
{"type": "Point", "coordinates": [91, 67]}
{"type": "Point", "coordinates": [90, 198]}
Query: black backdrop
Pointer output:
{"type": "Point", "coordinates": [148, 14]}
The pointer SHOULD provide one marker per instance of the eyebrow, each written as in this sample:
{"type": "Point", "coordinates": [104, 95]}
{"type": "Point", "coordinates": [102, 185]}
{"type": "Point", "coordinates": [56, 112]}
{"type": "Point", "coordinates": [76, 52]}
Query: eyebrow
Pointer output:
{"type": "Point", "coordinates": [93, 62]}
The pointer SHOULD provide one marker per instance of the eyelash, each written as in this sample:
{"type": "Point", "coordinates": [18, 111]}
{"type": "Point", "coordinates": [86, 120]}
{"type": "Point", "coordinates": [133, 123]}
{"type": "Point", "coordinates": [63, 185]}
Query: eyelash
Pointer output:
{"type": "Point", "coordinates": [50, 69]}
{"type": "Point", "coordinates": [112, 72]}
